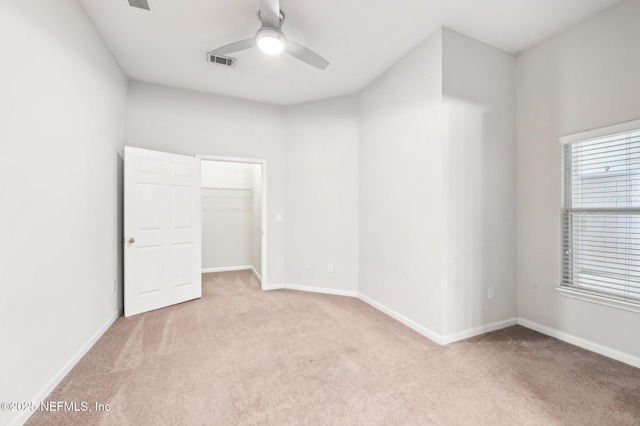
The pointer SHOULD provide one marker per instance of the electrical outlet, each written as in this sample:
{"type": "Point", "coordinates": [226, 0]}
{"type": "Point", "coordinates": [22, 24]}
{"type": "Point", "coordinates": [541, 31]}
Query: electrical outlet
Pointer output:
{"type": "Point", "coordinates": [490, 293]}
{"type": "Point", "coordinates": [115, 286]}
{"type": "Point", "coordinates": [279, 217]}
{"type": "Point", "coordinates": [306, 265]}
{"type": "Point", "coordinates": [330, 267]}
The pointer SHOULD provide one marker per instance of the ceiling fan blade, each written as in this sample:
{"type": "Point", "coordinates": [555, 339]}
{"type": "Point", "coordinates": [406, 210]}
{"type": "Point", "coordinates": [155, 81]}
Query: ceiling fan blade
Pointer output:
{"type": "Point", "coordinates": [270, 13]}
{"type": "Point", "coordinates": [306, 55]}
{"type": "Point", "coordinates": [234, 47]}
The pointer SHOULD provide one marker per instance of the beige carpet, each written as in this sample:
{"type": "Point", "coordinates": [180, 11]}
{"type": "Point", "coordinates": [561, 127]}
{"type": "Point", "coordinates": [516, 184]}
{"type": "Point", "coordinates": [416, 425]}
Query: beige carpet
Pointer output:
{"type": "Point", "coordinates": [242, 356]}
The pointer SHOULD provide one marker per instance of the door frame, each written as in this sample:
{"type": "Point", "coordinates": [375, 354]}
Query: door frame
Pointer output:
{"type": "Point", "coordinates": [263, 207]}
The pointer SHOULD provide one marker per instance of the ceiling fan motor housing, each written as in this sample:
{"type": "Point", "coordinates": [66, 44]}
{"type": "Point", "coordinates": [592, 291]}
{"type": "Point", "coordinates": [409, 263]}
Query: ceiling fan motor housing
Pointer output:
{"type": "Point", "coordinates": [270, 40]}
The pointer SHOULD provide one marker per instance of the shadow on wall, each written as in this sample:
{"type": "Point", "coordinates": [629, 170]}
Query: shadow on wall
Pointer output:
{"type": "Point", "coordinates": [477, 276]}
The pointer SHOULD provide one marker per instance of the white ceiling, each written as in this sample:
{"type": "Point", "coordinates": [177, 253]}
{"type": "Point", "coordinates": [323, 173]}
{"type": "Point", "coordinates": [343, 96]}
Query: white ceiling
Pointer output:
{"type": "Point", "coordinates": [360, 38]}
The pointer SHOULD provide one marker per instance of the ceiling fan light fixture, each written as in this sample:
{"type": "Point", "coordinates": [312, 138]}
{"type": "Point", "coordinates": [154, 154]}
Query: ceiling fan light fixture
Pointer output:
{"type": "Point", "coordinates": [270, 41]}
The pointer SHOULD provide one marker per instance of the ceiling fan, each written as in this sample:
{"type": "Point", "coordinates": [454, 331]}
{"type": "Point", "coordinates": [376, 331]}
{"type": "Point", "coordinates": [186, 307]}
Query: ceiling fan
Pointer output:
{"type": "Point", "coordinates": [270, 38]}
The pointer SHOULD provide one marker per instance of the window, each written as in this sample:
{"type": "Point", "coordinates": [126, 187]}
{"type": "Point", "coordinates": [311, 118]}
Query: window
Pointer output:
{"type": "Point", "coordinates": [601, 213]}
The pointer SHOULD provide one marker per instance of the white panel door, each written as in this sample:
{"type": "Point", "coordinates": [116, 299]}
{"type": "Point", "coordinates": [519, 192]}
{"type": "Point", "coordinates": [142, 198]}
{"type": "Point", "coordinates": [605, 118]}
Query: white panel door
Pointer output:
{"type": "Point", "coordinates": [162, 230]}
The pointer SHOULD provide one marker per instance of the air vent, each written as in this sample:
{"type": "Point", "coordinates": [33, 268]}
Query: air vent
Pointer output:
{"type": "Point", "coordinates": [221, 60]}
{"type": "Point", "coordinates": [140, 4]}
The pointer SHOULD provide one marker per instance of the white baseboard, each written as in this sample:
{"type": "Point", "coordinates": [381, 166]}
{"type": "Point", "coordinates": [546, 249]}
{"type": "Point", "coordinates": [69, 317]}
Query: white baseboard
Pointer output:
{"type": "Point", "coordinates": [471, 332]}
{"type": "Point", "coordinates": [432, 335]}
{"type": "Point", "coordinates": [234, 268]}
{"type": "Point", "coordinates": [442, 340]}
{"type": "Point", "coordinates": [256, 274]}
{"type": "Point", "coordinates": [227, 269]}
{"type": "Point", "coordinates": [22, 417]}
{"type": "Point", "coordinates": [321, 290]}
{"type": "Point", "coordinates": [404, 320]}
{"type": "Point", "coordinates": [476, 331]}
{"type": "Point", "coordinates": [273, 287]}
{"type": "Point", "coordinates": [583, 343]}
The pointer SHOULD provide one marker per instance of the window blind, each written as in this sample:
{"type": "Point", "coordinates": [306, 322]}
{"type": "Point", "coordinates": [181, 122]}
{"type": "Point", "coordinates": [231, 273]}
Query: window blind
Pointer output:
{"type": "Point", "coordinates": [601, 215]}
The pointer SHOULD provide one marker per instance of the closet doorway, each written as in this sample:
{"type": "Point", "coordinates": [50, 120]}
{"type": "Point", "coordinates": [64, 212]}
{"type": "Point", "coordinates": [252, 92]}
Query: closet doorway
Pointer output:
{"type": "Point", "coordinates": [234, 215]}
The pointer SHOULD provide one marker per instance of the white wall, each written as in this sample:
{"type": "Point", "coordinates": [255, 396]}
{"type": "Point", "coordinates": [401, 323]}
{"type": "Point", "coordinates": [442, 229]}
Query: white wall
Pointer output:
{"type": "Point", "coordinates": [190, 123]}
{"type": "Point", "coordinates": [582, 79]}
{"type": "Point", "coordinates": [62, 110]}
{"type": "Point", "coordinates": [228, 201]}
{"type": "Point", "coordinates": [437, 188]}
{"type": "Point", "coordinates": [322, 194]}
{"type": "Point", "coordinates": [400, 187]}
{"type": "Point", "coordinates": [479, 180]}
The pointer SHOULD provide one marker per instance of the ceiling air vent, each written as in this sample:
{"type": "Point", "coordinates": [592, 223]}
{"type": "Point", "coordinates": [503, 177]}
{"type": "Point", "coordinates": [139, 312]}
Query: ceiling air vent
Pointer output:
{"type": "Point", "coordinates": [221, 60]}
{"type": "Point", "coordinates": [140, 4]}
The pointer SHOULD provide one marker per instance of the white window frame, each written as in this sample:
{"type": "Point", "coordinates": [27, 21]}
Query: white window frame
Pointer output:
{"type": "Point", "coordinates": [576, 292]}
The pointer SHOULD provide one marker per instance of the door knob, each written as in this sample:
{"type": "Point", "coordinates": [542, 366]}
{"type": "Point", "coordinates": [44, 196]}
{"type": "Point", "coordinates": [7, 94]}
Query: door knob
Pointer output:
{"type": "Point", "coordinates": [131, 240]}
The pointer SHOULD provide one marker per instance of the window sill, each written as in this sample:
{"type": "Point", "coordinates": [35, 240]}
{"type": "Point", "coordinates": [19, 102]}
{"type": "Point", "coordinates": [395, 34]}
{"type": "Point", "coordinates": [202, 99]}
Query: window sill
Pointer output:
{"type": "Point", "coordinates": [599, 299]}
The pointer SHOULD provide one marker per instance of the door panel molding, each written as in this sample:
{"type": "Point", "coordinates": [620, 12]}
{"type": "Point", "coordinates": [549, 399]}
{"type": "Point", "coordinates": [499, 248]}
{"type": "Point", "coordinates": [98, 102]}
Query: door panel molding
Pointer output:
{"type": "Point", "coordinates": [162, 230]}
